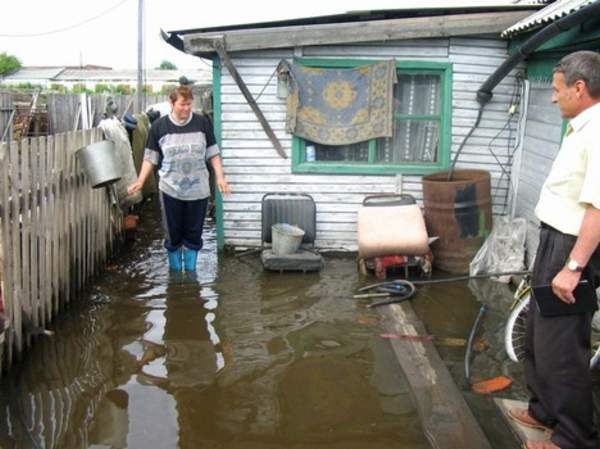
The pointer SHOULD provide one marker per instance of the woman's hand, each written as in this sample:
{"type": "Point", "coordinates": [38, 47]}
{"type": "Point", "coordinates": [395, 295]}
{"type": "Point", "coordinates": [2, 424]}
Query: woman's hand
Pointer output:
{"type": "Point", "coordinates": [223, 186]}
{"type": "Point", "coordinates": [135, 187]}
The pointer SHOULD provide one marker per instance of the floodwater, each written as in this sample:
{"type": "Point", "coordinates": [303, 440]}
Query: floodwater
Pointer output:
{"type": "Point", "coordinates": [237, 357]}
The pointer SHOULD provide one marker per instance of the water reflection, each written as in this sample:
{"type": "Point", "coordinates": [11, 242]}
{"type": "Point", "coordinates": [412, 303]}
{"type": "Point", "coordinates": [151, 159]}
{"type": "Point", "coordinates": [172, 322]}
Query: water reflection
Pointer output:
{"type": "Point", "coordinates": [233, 357]}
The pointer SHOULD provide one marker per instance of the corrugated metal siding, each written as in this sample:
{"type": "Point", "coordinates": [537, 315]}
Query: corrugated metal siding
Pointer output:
{"type": "Point", "coordinates": [253, 167]}
{"type": "Point", "coordinates": [541, 143]}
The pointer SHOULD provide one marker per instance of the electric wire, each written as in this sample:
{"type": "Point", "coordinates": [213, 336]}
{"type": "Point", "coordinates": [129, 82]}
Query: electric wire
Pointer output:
{"type": "Point", "coordinates": [69, 27]}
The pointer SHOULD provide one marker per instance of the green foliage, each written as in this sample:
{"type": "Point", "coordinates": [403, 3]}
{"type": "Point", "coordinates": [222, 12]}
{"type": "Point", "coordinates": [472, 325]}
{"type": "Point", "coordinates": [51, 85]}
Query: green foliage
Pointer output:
{"type": "Point", "coordinates": [166, 89]}
{"type": "Point", "coordinates": [123, 89]}
{"type": "Point", "coordinates": [101, 88]}
{"type": "Point", "coordinates": [166, 65]}
{"type": "Point", "coordinates": [57, 88]}
{"type": "Point", "coordinates": [147, 89]}
{"type": "Point", "coordinates": [80, 89]}
{"type": "Point", "coordinates": [28, 86]}
{"type": "Point", "coordinates": [8, 64]}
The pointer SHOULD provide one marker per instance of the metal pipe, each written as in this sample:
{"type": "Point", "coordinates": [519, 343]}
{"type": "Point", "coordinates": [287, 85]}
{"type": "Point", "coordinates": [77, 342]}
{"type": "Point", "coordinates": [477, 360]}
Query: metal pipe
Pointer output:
{"type": "Point", "coordinates": [484, 94]}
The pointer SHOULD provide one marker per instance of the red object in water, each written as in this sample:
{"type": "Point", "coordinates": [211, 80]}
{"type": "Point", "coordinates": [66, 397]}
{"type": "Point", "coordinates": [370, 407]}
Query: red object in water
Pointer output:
{"type": "Point", "coordinates": [384, 262]}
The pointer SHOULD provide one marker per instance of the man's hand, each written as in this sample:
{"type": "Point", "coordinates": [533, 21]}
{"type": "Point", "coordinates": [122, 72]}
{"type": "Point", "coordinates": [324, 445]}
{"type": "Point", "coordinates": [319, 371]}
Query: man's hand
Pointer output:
{"type": "Point", "coordinates": [564, 283]}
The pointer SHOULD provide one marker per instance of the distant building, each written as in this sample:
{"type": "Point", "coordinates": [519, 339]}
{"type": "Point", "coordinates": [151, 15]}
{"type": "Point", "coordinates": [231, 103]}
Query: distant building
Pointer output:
{"type": "Point", "coordinates": [90, 76]}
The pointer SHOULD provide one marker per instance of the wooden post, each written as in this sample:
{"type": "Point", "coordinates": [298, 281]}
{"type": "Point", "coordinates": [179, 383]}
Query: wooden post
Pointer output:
{"type": "Point", "coordinates": [219, 45]}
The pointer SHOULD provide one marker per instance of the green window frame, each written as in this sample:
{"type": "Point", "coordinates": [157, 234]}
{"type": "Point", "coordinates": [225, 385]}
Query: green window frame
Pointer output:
{"type": "Point", "coordinates": [444, 119]}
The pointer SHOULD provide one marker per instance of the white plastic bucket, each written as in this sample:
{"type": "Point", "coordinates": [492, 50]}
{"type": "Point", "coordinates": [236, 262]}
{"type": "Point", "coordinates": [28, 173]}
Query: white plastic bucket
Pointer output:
{"type": "Point", "coordinates": [286, 238]}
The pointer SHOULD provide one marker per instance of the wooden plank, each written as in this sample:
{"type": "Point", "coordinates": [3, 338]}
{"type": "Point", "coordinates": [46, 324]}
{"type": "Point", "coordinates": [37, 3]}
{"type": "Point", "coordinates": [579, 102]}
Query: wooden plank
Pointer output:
{"type": "Point", "coordinates": [351, 32]}
{"type": "Point", "coordinates": [37, 222]}
{"type": "Point", "coordinates": [14, 193]}
{"type": "Point", "coordinates": [447, 420]}
{"type": "Point", "coordinates": [63, 250]}
{"type": "Point", "coordinates": [54, 234]}
{"type": "Point", "coordinates": [28, 203]}
{"type": "Point", "coordinates": [6, 294]}
{"type": "Point", "coordinates": [45, 240]}
{"type": "Point", "coordinates": [219, 47]}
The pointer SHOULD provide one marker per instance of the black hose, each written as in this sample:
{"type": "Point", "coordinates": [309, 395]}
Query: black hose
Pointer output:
{"type": "Point", "coordinates": [462, 144]}
{"type": "Point", "coordinates": [402, 290]}
{"type": "Point", "coordinates": [450, 279]}
{"type": "Point", "coordinates": [469, 349]}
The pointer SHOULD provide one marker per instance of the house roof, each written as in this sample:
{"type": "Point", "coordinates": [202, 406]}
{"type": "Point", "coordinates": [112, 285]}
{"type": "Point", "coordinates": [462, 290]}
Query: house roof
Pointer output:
{"type": "Point", "coordinates": [65, 74]}
{"type": "Point", "coordinates": [352, 27]}
{"type": "Point", "coordinates": [550, 13]}
{"type": "Point", "coordinates": [166, 76]}
{"type": "Point", "coordinates": [34, 73]}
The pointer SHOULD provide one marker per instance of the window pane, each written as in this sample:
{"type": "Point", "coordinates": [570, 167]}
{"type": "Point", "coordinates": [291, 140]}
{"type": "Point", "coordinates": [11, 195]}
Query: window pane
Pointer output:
{"type": "Point", "coordinates": [417, 94]}
{"type": "Point", "coordinates": [357, 152]}
{"type": "Point", "coordinates": [413, 141]}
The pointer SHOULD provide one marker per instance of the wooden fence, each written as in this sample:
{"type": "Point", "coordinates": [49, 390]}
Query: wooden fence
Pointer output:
{"type": "Point", "coordinates": [64, 112]}
{"type": "Point", "coordinates": [56, 230]}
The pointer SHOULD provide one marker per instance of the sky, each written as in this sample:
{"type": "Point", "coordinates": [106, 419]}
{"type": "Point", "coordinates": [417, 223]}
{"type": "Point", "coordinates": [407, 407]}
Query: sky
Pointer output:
{"type": "Point", "coordinates": [79, 32]}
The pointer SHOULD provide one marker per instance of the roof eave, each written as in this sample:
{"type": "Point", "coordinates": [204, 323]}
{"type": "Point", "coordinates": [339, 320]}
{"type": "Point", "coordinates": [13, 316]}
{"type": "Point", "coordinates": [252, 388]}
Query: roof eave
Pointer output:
{"type": "Point", "coordinates": [202, 44]}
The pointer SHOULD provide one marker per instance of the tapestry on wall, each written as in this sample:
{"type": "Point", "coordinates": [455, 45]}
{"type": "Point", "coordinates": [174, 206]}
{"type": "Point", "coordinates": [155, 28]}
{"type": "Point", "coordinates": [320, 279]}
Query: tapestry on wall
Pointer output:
{"type": "Point", "coordinates": [340, 106]}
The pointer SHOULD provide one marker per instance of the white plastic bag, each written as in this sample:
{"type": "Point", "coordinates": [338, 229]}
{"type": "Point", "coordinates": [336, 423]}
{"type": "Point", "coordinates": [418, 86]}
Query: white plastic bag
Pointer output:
{"type": "Point", "coordinates": [504, 249]}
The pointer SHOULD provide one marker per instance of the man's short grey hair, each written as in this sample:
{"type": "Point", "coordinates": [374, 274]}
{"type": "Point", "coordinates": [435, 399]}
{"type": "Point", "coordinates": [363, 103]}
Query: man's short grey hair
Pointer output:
{"type": "Point", "coordinates": [581, 65]}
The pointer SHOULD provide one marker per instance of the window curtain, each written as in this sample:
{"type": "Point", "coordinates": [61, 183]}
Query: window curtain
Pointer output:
{"type": "Point", "coordinates": [417, 108]}
{"type": "Point", "coordinates": [340, 106]}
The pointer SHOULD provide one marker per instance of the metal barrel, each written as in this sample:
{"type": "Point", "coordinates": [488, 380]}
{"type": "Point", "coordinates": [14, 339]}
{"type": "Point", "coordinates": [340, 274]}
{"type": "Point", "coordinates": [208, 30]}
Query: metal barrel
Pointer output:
{"type": "Point", "coordinates": [459, 212]}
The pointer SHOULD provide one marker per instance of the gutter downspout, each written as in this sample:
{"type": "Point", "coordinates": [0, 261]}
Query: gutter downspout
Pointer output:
{"type": "Point", "coordinates": [484, 94]}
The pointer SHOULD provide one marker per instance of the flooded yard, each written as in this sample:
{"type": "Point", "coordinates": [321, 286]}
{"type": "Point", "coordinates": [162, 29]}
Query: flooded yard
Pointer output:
{"type": "Point", "coordinates": [238, 357]}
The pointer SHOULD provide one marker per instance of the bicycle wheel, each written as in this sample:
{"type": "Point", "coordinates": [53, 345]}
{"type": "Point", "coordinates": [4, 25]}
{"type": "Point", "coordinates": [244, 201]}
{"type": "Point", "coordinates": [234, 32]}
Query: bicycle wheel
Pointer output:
{"type": "Point", "coordinates": [595, 350]}
{"type": "Point", "coordinates": [514, 338]}
{"type": "Point", "coordinates": [514, 334]}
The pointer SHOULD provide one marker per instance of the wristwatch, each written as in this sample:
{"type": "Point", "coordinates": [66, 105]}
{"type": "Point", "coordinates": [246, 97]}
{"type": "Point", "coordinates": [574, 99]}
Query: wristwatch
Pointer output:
{"type": "Point", "coordinates": [573, 265]}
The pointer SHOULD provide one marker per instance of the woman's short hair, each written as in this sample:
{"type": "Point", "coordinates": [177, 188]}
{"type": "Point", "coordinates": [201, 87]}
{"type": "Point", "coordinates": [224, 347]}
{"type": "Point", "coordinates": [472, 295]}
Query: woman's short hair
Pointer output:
{"type": "Point", "coordinates": [184, 92]}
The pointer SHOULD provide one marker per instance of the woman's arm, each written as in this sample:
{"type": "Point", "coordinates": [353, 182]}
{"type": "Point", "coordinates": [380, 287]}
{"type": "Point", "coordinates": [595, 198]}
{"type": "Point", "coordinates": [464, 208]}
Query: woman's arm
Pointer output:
{"type": "Point", "coordinates": [222, 184]}
{"type": "Point", "coordinates": [145, 171]}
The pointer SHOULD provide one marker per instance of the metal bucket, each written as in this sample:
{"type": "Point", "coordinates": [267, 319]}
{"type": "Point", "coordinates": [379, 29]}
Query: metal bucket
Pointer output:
{"type": "Point", "coordinates": [100, 163]}
{"type": "Point", "coordinates": [286, 238]}
{"type": "Point", "coordinates": [459, 212]}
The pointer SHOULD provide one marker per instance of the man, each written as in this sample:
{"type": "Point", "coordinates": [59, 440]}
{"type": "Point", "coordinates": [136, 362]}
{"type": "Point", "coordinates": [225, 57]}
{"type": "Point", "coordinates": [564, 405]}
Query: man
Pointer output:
{"type": "Point", "coordinates": [558, 348]}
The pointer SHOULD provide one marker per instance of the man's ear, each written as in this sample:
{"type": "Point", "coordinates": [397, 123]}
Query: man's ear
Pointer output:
{"type": "Point", "coordinates": [581, 88]}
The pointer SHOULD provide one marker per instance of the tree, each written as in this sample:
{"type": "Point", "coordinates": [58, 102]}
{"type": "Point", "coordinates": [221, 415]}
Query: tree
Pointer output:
{"type": "Point", "coordinates": [167, 65]}
{"type": "Point", "coordinates": [8, 64]}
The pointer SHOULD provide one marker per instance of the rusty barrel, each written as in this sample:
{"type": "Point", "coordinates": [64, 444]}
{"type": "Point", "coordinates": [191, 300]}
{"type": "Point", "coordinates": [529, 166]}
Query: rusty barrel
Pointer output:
{"type": "Point", "coordinates": [459, 212]}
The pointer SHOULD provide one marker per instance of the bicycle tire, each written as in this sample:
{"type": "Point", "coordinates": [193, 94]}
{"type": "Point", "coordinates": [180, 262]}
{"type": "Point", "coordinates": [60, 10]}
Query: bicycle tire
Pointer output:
{"type": "Point", "coordinates": [514, 337]}
{"type": "Point", "coordinates": [595, 352]}
{"type": "Point", "coordinates": [514, 334]}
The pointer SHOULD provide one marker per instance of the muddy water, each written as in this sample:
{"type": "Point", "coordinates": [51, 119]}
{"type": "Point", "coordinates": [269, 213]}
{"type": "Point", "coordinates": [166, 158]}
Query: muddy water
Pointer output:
{"type": "Point", "coordinates": [234, 357]}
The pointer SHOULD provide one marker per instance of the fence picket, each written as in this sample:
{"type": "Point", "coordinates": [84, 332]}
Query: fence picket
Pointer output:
{"type": "Point", "coordinates": [54, 229]}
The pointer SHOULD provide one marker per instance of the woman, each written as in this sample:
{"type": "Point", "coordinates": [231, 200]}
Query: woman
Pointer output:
{"type": "Point", "coordinates": [180, 144]}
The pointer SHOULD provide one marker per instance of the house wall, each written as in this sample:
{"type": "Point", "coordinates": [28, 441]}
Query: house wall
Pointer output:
{"type": "Point", "coordinates": [253, 168]}
{"type": "Point", "coordinates": [543, 130]}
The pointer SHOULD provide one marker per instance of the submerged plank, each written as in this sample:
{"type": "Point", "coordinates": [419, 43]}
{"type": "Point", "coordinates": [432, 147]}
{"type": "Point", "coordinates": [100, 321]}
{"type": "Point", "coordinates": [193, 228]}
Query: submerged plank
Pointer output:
{"type": "Point", "coordinates": [447, 420]}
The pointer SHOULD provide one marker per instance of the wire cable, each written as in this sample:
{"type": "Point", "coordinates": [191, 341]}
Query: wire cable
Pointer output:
{"type": "Point", "coordinates": [69, 27]}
